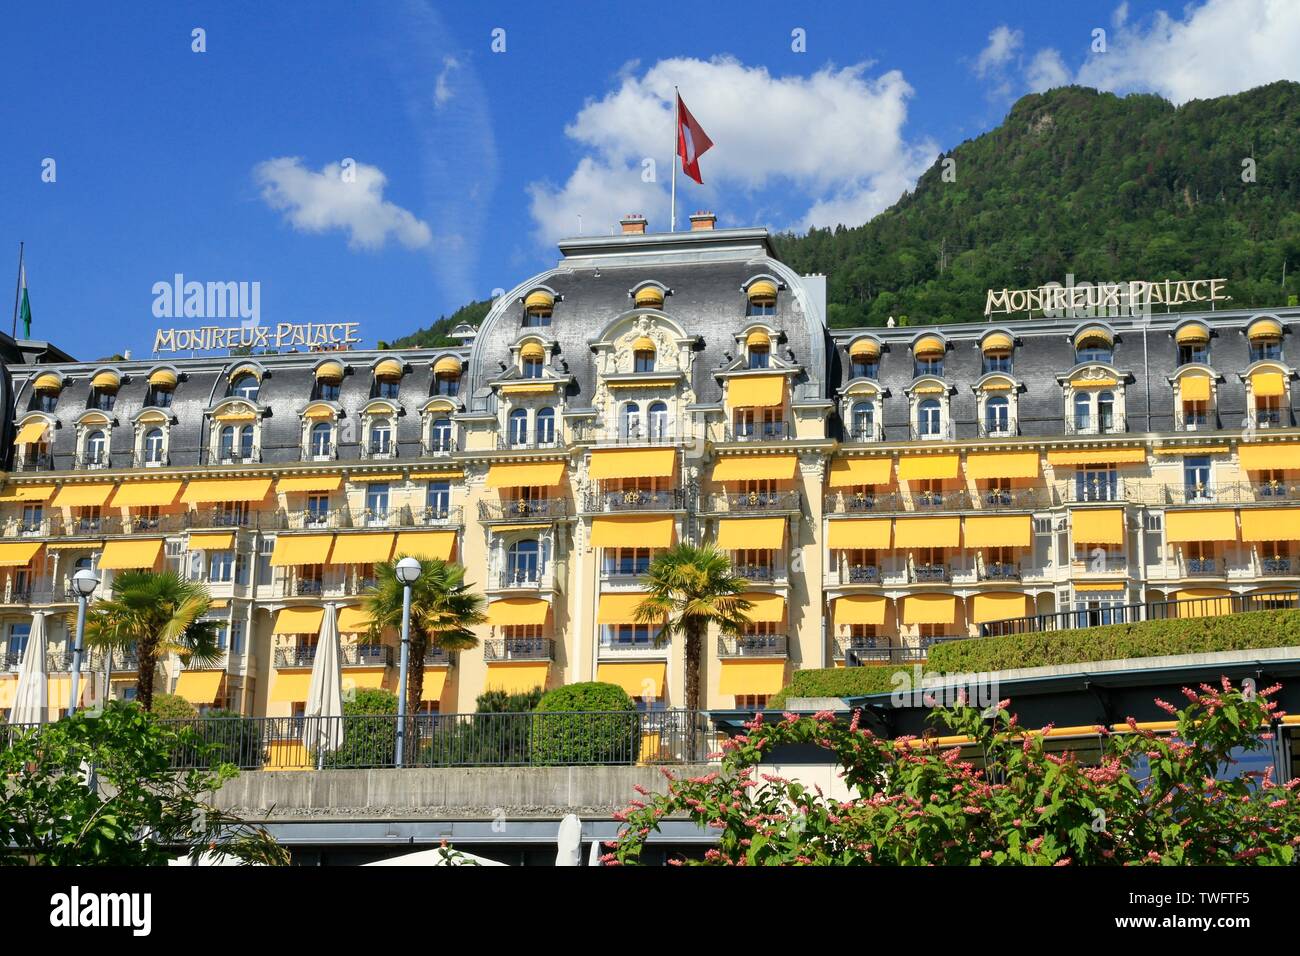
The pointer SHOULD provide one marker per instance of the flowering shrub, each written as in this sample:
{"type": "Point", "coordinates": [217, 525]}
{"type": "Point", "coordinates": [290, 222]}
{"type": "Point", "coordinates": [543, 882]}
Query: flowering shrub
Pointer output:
{"type": "Point", "coordinates": [919, 802]}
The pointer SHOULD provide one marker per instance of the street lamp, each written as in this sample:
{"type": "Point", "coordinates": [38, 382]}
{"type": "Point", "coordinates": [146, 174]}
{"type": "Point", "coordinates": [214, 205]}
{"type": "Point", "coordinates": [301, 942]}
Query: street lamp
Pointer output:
{"type": "Point", "coordinates": [84, 583]}
{"type": "Point", "coordinates": [408, 572]}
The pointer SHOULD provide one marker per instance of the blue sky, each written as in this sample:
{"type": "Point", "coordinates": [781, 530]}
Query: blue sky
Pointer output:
{"type": "Point", "coordinates": [224, 165]}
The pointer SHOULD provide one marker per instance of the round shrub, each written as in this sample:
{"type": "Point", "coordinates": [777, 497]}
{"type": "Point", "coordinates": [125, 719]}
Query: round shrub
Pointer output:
{"type": "Point", "coordinates": [368, 739]}
{"type": "Point", "coordinates": [589, 723]}
{"type": "Point", "coordinates": [172, 707]}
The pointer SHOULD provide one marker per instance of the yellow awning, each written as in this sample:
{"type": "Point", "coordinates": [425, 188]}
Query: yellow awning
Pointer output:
{"type": "Point", "coordinates": [1093, 334]}
{"type": "Point", "coordinates": [82, 496]}
{"type": "Point", "coordinates": [1264, 329]}
{"type": "Point", "coordinates": [529, 388]}
{"type": "Point", "coordinates": [291, 688]}
{"type": "Point", "coordinates": [105, 380]}
{"type": "Point", "coordinates": [638, 679]}
{"type": "Point", "coordinates": [428, 545]}
{"type": "Point", "coordinates": [999, 531]}
{"type": "Point", "coordinates": [354, 619]}
{"type": "Point", "coordinates": [742, 677]}
{"type": "Point", "coordinates": [738, 534]}
{"type": "Point", "coordinates": [293, 549]}
{"type": "Point", "coordinates": [1001, 464]}
{"type": "Point", "coordinates": [206, 491]}
{"type": "Point", "coordinates": [377, 476]}
{"type": "Point", "coordinates": [18, 554]}
{"type": "Point", "coordinates": [146, 494]}
{"type": "Point", "coordinates": [756, 391]}
{"type": "Point", "coordinates": [1194, 387]}
{"type": "Point", "coordinates": [1214, 525]}
{"type": "Point", "coordinates": [522, 526]}
{"type": "Point", "coordinates": [1081, 382]}
{"type": "Point", "coordinates": [516, 677]}
{"type": "Point", "coordinates": [1101, 586]}
{"type": "Point", "coordinates": [162, 378]}
{"type": "Point", "coordinates": [642, 383]}
{"type": "Point", "coordinates": [1270, 524]}
{"type": "Point", "coordinates": [872, 534]}
{"type": "Point", "coordinates": [928, 345]}
{"type": "Point", "coordinates": [539, 300]}
{"type": "Point", "coordinates": [1267, 384]}
{"type": "Point", "coordinates": [388, 368]}
{"type": "Point", "coordinates": [525, 474]}
{"type": "Point", "coordinates": [758, 339]}
{"type": "Point", "coordinates": [1098, 456]}
{"type": "Point", "coordinates": [847, 472]}
{"type": "Point", "coordinates": [200, 687]}
{"type": "Point", "coordinates": [865, 349]}
{"type": "Point", "coordinates": [435, 679]}
{"type": "Point", "coordinates": [151, 418]}
{"type": "Point", "coordinates": [518, 611]}
{"type": "Point", "coordinates": [619, 608]}
{"type": "Point", "coordinates": [998, 606]}
{"type": "Point", "coordinates": [644, 344]}
{"type": "Point", "coordinates": [298, 620]}
{"type": "Point", "coordinates": [649, 297]}
{"type": "Point", "coordinates": [1274, 455]}
{"type": "Point", "coordinates": [1093, 526]}
{"type": "Point", "coordinates": [125, 555]}
{"type": "Point", "coordinates": [767, 608]}
{"type": "Point", "coordinates": [632, 463]}
{"type": "Point", "coordinates": [28, 493]}
{"type": "Point", "coordinates": [213, 541]}
{"type": "Point", "coordinates": [927, 533]}
{"type": "Point", "coordinates": [997, 342]}
{"type": "Point", "coordinates": [929, 609]}
{"type": "Point", "coordinates": [632, 531]}
{"type": "Point", "coordinates": [532, 352]}
{"type": "Point", "coordinates": [448, 365]}
{"type": "Point", "coordinates": [73, 545]}
{"type": "Point", "coordinates": [242, 415]}
{"type": "Point", "coordinates": [48, 382]}
{"type": "Point", "coordinates": [369, 548]}
{"type": "Point", "coordinates": [329, 371]}
{"type": "Point", "coordinates": [917, 467]}
{"type": "Point", "coordinates": [1204, 607]}
{"type": "Point", "coordinates": [762, 289]}
{"type": "Point", "coordinates": [1193, 333]}
{"type": "Point", "coordinates": [859, 609]}
{"type": "Point", "coordinates": [930, 390]}
{"type": "Point", "coordinates": [310, 483]}
{"type": "Point", "coordinates": [31, 432]}
{"type": "Point", "coordinates": [448, 474]}
{"type": "Point", "coordinates": [755, 468]}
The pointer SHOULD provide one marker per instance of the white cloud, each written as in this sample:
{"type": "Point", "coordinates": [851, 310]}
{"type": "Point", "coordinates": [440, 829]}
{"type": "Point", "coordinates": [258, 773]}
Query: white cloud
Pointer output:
{"type": "Point", "coordinates": [835, 137]}
{"type": "Point", "coordinates": [1046, 70]}
{"type": "Point", "coordinates": [442, 92]}
{"type": "Point", "coordinates": [1002, 45]}
{"type": "Point", "coordinates": [1218, 47]}
{"type": "Point", "coordinates": [320, 202]}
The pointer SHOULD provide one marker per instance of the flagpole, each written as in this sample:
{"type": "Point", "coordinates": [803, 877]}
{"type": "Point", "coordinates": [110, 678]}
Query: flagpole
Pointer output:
{"type": "Point", "coordinates": [677, 134]}
{"type": "Point", "coordinates": [18, 288]}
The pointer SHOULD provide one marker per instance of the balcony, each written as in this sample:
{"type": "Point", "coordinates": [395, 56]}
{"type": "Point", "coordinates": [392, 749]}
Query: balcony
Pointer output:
{"type": "Point", "coordinates": [1270, 418]}
{"type": "Point", "coordinates": [758, 431]}
{"type": "Point", "coordinates": [1203, 567]}
{"type": "Point", "coordinates": [1196, 422]}
{"type": "Point", "coordinates": [92, 461]}
{"type": "Point", "coordinates": [234, 456]}
{"type": "Point", "coordinates": [438, 657]}
{"type": "Point", "coordinates": [379, 451]}
{"type": "Point", "coordinates": [998, 571]}
{"type": "Point", "coordinates": [526, 443]}
{"type": "Point", "coordinates": [634, 499]}
{"type": "Point", "coordinates": [863, 433]}
{"type": "Point", "coordinates": [316, 520]}
{"type": "Point", "coordinates": [35, 462]}
{"type": "Point", "coordinates": [933, 432]}
{"type": "Point", "coordinates": [524, 578]}
{"type": "Point", "coordinates": [1111, 564]}
{"type": "Point", "coordinates": [1276, 567]}
{"type": "Point", "coordinates": [151, 460]}
{"type": "Point", "coordinates": [60, 662]}
{"type": "Point", "coordinates": [864, 651]}
{"type": "Point", "coordinates": [519, 649]}
{"type": "Point", "coordinates": [760, 573]}
{"type": "Point", "coordinates": [931, 574]}
{"type": "Point", "coordinates": [669, 433]}
{"type": "Point", "coordinates": [528, 509]}
{"type": "Point", "coordinates": [998, 429]}
{"type": "Point", "coordinates": [753, 645]}
{"type": "Point", "coordinates": [350, 655]}
{"type": "Point", "coordinates": [445, 446]}
{"type": "Point", "coordinates": [751, 502]}
{"type": "Point", "coordinates": [321, 451]}
{"type": "Point", "coordinates": [1104, 425]}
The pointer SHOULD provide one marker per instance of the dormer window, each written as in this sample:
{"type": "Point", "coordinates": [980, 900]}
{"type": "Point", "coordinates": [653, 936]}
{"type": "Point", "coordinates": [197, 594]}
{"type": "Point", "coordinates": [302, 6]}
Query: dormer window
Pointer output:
{"type": "Point", "coordinates": [446, 375]}
{"type": "Point", "coordinates": [864, 359]}
{"type": "Point", "coordinates": [758, 347]}
{"type": "Point", "coordinates": [103, 391]}
{"type": "Point", "coordinates": [538, 306]}
{"type": "Point", "coordinates": [649, 297]}
{"type": "Point", "coordinates": [381, 437]}
{"type": "Point", "coordinates": [96, 455]}
{"type": "Point", "coordinates": [643, 355]}
{"type": "Point", "coordinates": [1094, 345]}
{"type": "Point", "coordinates": [320, 439]}
{"type": "Point", "coordinates": [761, 298]}
{"type": "Point", "coordinates": [928, 354]}
{"type": "Point", "coordinates": [1265, 337]}
{"type": "Point", "coordinates": [47, 388]}
{"type": "Point", "coordinates": [996, 350]}
{"type": "Point", "coordinates": [162, 387]}
{"type": "Point", "coordinates": [1193, 341]}
{"type": "Point", "coordinates": [154, 447]}
{"type": "Point", "coordinates": [329, 381]}
{"type": "Point", "coordinates": [245, 386]}
{"type": "Point", "coordinates": [532, 358]}
{"type": "Point", "coordinates": [388, 378]}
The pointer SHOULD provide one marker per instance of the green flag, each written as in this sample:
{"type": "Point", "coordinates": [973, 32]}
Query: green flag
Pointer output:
{"type": "Point", "coordinates": [25, 309]}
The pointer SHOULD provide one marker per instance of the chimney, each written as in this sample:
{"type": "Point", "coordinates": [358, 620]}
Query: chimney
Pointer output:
{"type": "Point", "coordinates": [703, 220]}
{"type": "Point", "coordinates": [633, 224]}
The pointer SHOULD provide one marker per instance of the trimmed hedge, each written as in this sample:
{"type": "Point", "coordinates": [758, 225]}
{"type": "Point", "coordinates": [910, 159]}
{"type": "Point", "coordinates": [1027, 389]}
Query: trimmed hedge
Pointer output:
{"type": "Point", "coordinates": [1111, 642]}
{"type": "Point", "coordinates": [590, 722]}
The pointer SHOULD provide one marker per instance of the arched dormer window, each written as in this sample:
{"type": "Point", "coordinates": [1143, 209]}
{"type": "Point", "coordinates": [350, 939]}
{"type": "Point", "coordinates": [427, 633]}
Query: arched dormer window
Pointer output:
{"type": "Point", "coordinates": [381, 438]}
{"type": "Point", "coordinates": [1193, 343]}
{"type": "Point", "coordinates": [440, 435]}
{"type": "Point", "coordinates": [648, 296]}
{"type": "Point", "coordinates": [103, 391]}
{"type": "Point", "coordinates": [153, 446]}
{"type": "Point", "coordinates": [162, 388]}
{"type": "Point", "coordinates": [996, 350]}
{"type": "Point", "coordinates": [864, 359]}
{"type": "Point", "coordinates": [929, 418]}
{"type": "Point", "coordinates": [532, 360]}
{"type": "Point", "coordinates": [1094, 344]}
{"type": "Point", "coordinates": [760, 298]}
{"type": "Point", "coordinates": [446, 376]}
{"type": "Point", "coordinates": [758, 349]}
{"type": "Point", "coordinates": [388, 379]}
{"type": "Point", "coordinates": [235, 443]}
{"type": "Point", "coordinates": [45, 392]}
{"type": "Point", "coordinates": [96, 449]}
{"type": "Point", "coordinates": [862, 421]}
{"type": "Point", "coordinates": [927, 355]}
{"type": "Point", "coordinates": [539, 305]}
{"type": "Point", "coordinates": [329, 381]}
{"type": "Point", "coordinates": [245, 385]}
{"type": "Point", "coordinates": [997, 415]}
{"type": "Point", "coordinates": [1265, 338]}
{"type": "Point", "coordinates": [643, 354]}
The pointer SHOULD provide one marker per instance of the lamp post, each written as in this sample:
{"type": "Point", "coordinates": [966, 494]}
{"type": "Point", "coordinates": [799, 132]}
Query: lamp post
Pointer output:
{"type": "Point", "coordinates": [407, 571]}
{"type": "Point", "coordinates": [84, 583]}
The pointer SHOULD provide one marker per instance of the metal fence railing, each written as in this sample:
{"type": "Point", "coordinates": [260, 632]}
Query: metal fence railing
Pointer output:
{"type": "Point", "coordinates": [588, 738]}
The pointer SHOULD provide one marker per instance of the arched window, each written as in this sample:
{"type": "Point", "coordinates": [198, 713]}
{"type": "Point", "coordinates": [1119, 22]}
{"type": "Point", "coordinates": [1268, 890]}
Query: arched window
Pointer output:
{"type": "Point", "coordinates": [1094, 348]}
{"type": "Point", "coordinates": [153, 446]}
{"type": "Point", "coordinates": [103, 398]}
{"type": "Point", "coordinates": [246, 442]}
{"type": "Point", "coordinates": [657, 419]}
{"type": "Point", "coordinates": [760, 356]}
{"type": "Point", "coordinates": [523, 562]}
{"type": "Point", "coordinates": [437, 501]}
{"type": "Point", "coordinates": [928, 417]}
{"type": "Point", "coordinates": [46, 401]}
{"type": "Point", "coordinates": [440, 435]}
{"type": "Point", "coordinates": [381, 437]}
{"type": "Point", "coordinates": [1106, 412]}
{"type": "Point", "coordinates": [546, 426]}
{"type": "Point", "coordinates": [447, 383]}
{"type": "Point", "coordinates": [629, 425]}
{"type": "Point", "coordinates": [96, 448]}
{"type": "Point", "coordinates": [246, 386]}
{"type": "Point", "coordinates": [1082, 412]}
{"type": "Point", "coordinates": [864, 420]}
{"type": "Point", "coordinates": [532, 368]}
{"type": "Point", "coordinates": [643, 360]}
{"type": "Point", "coordinates": [518, 427]}
{"type": "Point", "coordinates": [226, 444]}
{"type": "Point", "coordinates": [387, 387]}
{"type": "Point", "coordinates": [997, 415]}
{"type": "Point", "coordinates": [320, 438]}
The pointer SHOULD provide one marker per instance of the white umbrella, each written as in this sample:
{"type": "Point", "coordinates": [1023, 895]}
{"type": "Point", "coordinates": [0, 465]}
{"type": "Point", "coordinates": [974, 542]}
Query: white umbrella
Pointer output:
{"type": "Point", "coordinates": [594, 859]}
{"type": "Point", "coordinates": [30, 696]}
{"type": "Point", "coordinates": [436, 857]}
{"type": "Point", "coordinates": [325, 695]}
{"type": "Point", "coordinates": [208, 858]}
{"type": "Point", "coordinates": [568, 842]}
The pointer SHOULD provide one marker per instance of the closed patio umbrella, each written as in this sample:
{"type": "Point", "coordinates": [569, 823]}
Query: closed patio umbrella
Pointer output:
{"type": "Point", "coordinates": [324, 726]}
{"type": "Point", "coordinates": [436, 857]}
{"type": "Point", "coordinates": [31, 694]}
{"type": "Point", "coordinates": [568, 841]}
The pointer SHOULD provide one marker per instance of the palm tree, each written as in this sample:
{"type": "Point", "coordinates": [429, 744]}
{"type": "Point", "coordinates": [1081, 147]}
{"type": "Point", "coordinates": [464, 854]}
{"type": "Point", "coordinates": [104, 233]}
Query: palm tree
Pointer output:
{"type": "Point", "coordinates": [443, 612]}
{"type": "Point", "coordinates": [154, 614]}
{"type": "Point", "coordinates": [689, 588]}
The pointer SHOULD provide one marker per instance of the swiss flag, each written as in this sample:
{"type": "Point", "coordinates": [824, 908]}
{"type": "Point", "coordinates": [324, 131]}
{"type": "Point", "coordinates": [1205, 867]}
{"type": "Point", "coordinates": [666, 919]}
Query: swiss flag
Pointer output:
{"type": "Point", "coordinates": [692, 142]}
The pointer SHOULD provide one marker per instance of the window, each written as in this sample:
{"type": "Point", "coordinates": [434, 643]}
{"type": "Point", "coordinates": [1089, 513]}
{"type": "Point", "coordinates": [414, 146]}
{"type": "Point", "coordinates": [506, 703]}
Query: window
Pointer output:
{"type": "Point", "coordinates": [88, 519]}
{"type": "Point", "coordinates": [532, 368]}
{"type": "Point", "coordinates": [246, 386]}
{"type": "Point", "coordinates": [387, 387]}
{"type": "Point", "coordinates": [928, 366]}
{"type": "Point", "coordinates": [1272, 484]}
{"type": "Point", "coordinates": [643, 360]}
{"type": "Point", "coordinates": [447, 383]}
{"type": "Point", "coordinates": [626, 635]}
{"type": "Point", "coordinates": [863, 367]}
{"type": "Point", "coordinates": [523, 562]}
{"type": "Point", "coordinates": [318, 510]}
{"type": "Point", "coordinates": [221, 565]}
{"type": "Point", "coordinates": [997, 415]}
{"type": "Point", "coordinates": [1099, 483]}
{"type": "Point", "coordinates": [1094, 348]}
{"type": "Point", "coordinates": [103, 398]}
{"type": "Point", "coordinates": [33, 516]}
{"type": "Point", "coordinates": [320, 439]}
{"type": "Point", "coordinates": [754, 702]}
{"type": "Point", "coordinates": [517, 427]}
{"type": "Point", "coordinates": [1262, 349]}
{"type": "Point", "coordinates": [1196, 479]}
{"type": "Point", "coordinates": [18, 634]}
{"type": "Point", "coordinates": [153, 447]}
{"type": "Point", "coordinates": [437, 499]}
{"type": "Point", "coordinates": [537, 318]}
{"type": "Point", "coordinates": [1198, 352]}
{"type": "Point", "coordinates": [377, 499]}
{"type": "Point", "coordinates": [1082, 412]}
{"type": "Point", "coordinates": [46, 401]}
{"type": "Point", "coordinates": [1196, 415]}
{"type": "Point", "coordinates": [928, 418]}
{"type": "Point", "coordinates": [625, 562]}
{"type": "Point", "coordinates": [863, 421]}
{"type": "Point", "coordinates": [381, 437]}
{"type": "Point", "coordinates": [760, 356]}
{"type": "Point", "coordinates": [629, 425]}
{"type": "Point", "coordinates": [657, 419]}
{"type": "Point", "coordinates": [1106, 412]}
{"type": "Point", "coordinates": [327, 391]}
{"type": "Point", "coordinates": [761, 305]}
{"type": "Point", "coordinates": [96, 448]}
{"type": "Point", "coordinates": [997, 360]}
{"type": "Point", "coordinates": [159, 396]}
{"type": "Point", "coordinates": [1268, 411]}
{"type": "Point", "coordinates": [440, 435]}
{"type": "Point", "coordinates": [546, 426]}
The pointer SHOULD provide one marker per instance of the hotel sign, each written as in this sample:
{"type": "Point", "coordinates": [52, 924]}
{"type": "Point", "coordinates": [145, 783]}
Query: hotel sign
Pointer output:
{"type": "Point", "coordinates": [1106, 298]}
{"type": "Point", "coordinates": [322, 336]}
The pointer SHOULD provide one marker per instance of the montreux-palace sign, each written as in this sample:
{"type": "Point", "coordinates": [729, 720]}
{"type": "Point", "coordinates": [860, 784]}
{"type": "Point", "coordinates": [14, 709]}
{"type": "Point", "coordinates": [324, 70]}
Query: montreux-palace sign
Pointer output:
{"type": "Point", "coordinates": [309, 335]}
{"type": "Point", "coordinates": [1105, 298]}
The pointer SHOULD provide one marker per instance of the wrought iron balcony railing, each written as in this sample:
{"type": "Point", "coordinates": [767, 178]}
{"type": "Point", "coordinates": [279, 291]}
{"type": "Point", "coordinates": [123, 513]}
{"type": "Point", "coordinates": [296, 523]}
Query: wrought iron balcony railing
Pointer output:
{"type": "Point", "coordinates": [91, 461]}
{"type": "Point", "coordinates": [350, 655]}
{"type": "Point", "coordinates": [519, 649]}
{"type": "Point", "coordinates": [758, 431]}
{"type": "Point", "coordinates": [318, 451]}
{"type": "Point", "coordinates": [753, 645]}
{"type": "Point", "coordinates": [1112, 425]}
{"type": "Point", "coordinates": [634, 499]}
{"type": "Point", "coordinates": [863, 651]}
{"type": "Point", "coordinates": [751, 502]}
{"type": "Point", "coordinates": [1275, 566]}
{"type": "Point", "coordinates": [235, 456]}
{"type": "Point", "coordinates": [533, 509]}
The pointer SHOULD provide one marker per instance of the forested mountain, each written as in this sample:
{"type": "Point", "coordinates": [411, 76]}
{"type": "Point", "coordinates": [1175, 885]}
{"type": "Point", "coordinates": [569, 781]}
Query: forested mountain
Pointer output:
{"type": "Point", "coordinates": [436, 335]}
{"type": "Point", "coordinates": [1076, 181]}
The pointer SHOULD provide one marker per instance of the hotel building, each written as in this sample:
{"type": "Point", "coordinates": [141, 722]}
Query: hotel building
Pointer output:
{"type": "Point", "coordinates": [881, 489]}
